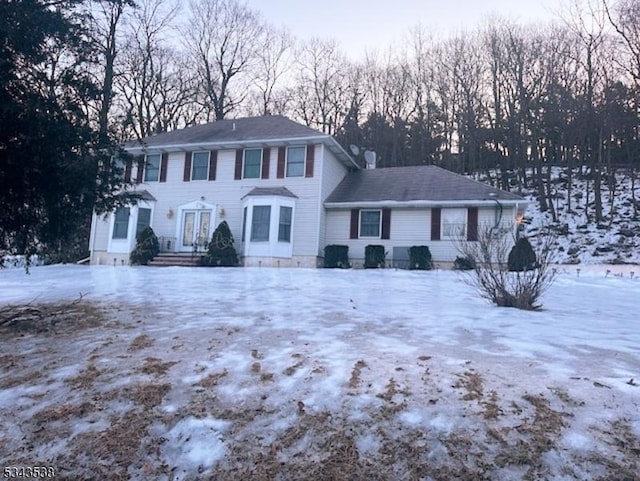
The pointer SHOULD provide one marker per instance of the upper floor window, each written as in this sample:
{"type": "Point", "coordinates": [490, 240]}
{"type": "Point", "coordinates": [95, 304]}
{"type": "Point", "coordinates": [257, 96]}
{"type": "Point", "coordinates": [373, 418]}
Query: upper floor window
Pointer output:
{"type": "Point", "coordinates": [370, 223]}
{"type": "Point", "coordinates": [121, 223]}
{"type": "Point", "coordinates": [252, 163]}
{"type": "Point", "coordinates": [200, 166]}
{"type": "Point", "coordinates": [295, 161]}
{"type": "Point", "coordinates": [152, 168]}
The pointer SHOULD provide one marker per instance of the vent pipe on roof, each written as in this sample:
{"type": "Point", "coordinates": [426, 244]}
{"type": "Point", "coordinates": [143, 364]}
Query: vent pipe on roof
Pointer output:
{"type": "Point", "coordinates": [233, 126]}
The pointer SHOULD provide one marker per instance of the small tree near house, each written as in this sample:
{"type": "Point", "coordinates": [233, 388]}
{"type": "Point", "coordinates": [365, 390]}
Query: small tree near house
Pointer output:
{"type": "Point", "coordinates": [147, 247]}
{"type": "Point", "coordinates": [221, 252]}
{"type": "Point", "coordinates": [493, 277]}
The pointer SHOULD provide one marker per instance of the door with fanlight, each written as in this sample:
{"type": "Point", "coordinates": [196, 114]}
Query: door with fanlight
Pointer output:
{"type": "Point", "coordinates": [196, 229]}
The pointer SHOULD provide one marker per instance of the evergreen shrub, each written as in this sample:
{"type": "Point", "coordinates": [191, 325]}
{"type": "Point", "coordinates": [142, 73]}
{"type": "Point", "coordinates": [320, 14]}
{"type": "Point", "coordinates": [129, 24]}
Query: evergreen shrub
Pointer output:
{"type": "Point", "coordinates": [336, 256]}
{"type": "Point", "coordinates": [220, 252]}
{"type": "Point", "coordinates": [464, 264]}
{"type": "Point", "coordinates": [374, 256]}
{"type": "Point", "coordinates": [522, 257]}
{"type": "Point", "coordinates": [420, 258]}
{"type": "Point", "coordinates": [147, 247]}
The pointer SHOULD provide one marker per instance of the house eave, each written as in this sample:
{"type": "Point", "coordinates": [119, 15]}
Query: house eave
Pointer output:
{"type": "Point", "coordinates": [334, 147]}
{"type": "Point", "coordinates": [417, 204]}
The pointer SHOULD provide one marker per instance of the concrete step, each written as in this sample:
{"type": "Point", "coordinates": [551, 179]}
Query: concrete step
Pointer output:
{"type": "Point", "coordinates": [169, 259]}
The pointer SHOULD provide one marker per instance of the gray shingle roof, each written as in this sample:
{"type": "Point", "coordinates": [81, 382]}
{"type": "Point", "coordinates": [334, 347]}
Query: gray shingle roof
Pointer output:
{"type": "Point", "coordinates": [281, 191]}
{"type": "Point", "coordinates": [416, 183]}
{"type": "Point", "coordinates": [247, 129]}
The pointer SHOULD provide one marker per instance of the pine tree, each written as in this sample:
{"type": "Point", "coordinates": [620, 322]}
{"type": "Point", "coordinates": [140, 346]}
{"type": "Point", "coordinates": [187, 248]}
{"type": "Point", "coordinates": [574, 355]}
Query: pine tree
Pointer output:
{"type": "Point", "coordinates": [221, 251]}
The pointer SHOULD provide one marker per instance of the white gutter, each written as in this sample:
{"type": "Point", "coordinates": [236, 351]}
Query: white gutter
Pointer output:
{"type": "Point", "coordinates": [419, 203]}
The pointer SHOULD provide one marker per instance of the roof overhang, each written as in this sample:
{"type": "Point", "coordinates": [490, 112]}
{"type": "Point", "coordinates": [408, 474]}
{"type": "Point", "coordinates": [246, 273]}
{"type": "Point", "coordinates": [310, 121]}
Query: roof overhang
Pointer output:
{"type": "Point", "coordinates": [418, 204]}
{"type": "Point", "coordinates": [139, 148]}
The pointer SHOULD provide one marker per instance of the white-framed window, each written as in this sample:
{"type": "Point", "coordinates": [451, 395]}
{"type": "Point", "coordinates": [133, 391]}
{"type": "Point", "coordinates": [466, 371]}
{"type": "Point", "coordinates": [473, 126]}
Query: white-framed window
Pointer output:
{"type": "Point", "coordinates": [121, 223]}
{"type": "Point", "coordinates": [244, 223]}
{"type": "Point", "coordinates": [144, 220]}
{"type": "Point", "coordinates": [284, 224]}
{"type": "Point", "coordinates": [200, 166]}
{"type": "Point", "coordinates": [295, 161]}
{"type": "Point", "coordinates": [252, 164]}
{"type": "Point", "coordinates": [260, 223]}
{"type": "Point", "coordinates": [370, 223]}
{"type": "Point", "coordinates": [454, 223]}
{"type": "Point", "coordinates": [152, 168]}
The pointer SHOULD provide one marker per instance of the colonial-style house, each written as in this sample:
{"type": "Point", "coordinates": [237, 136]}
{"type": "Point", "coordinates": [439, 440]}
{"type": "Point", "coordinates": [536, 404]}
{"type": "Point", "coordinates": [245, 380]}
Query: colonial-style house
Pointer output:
{"type": "Point", "coordinates": [287, 191]}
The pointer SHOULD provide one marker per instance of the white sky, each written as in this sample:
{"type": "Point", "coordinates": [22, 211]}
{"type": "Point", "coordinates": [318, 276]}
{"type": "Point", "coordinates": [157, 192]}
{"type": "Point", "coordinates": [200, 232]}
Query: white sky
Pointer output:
{"type": "Point", "coordinates": [361, 25]}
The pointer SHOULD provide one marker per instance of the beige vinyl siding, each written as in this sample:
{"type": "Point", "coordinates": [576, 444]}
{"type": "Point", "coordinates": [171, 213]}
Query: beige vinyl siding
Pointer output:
{"type": "Point", "coordinates": [101, 233]}
{"type": "Point", "coordinates": [226, 194]}
{"type": "Point", "coordinates": [409, 227]}
{"type": "Point", "coordinates": [333, 171]}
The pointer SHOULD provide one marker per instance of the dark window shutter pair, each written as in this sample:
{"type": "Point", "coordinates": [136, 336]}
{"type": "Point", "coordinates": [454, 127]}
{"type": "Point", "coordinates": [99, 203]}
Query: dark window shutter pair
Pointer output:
{"type": "Point", "coordinates": [186, 176]}
{"type": "Point", "coordinates": [163, 167]}
{"type": "Point", "coordinates": [238, 171]}
{"type": "Point", "coordinates": [472, 224]}
{"type": "Point", "coordinates": [266, 154]}
{"type": "Point", "coordinates": [311, 150]}
{"type": "Point", "coordinates": [355, 221]}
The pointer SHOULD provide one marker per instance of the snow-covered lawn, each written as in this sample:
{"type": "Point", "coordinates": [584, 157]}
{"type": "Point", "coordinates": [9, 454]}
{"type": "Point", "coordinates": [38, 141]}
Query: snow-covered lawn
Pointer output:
{"type": "Point", "coordinates": [194, 373]}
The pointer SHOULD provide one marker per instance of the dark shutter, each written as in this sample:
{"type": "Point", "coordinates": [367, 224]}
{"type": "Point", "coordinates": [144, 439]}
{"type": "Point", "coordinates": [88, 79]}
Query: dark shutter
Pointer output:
{"type": "Point", "coordinates": [282, 153]}
{"type": "Point", "coordinates": [386, 223]}
{"type": "Point", "coordinates": [355, 219]}
{"type": "Point", "coordinates": [435, 223]}
{"type": "Point", "coordinates": [140, 173]}
{"type": "Point", "coordinates": [472, 224]}
{"type": "Point", "coordinates": [266, 154]}
{"type": "Point", "coordinates": [311, 150]}
{"type": "Point", "coordinates": [238, 170]}
{"type": "Point", "coordinates": [213, 164]}
{"type": "Point", "coordinates": [163, 167]}
{"type": "Point", "coordinates": [187, 167]}
{"type": "Point", "coordinates": [127, 170]}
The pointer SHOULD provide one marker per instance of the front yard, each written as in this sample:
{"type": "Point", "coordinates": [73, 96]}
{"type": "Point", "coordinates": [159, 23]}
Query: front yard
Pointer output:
{"type": "Point", "coordinates": [234, 374]}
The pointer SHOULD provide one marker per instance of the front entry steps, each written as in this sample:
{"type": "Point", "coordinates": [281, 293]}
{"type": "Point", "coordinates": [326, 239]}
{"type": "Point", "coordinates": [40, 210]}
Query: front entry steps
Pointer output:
{"type": "Point", "coordinates": [170, 259]}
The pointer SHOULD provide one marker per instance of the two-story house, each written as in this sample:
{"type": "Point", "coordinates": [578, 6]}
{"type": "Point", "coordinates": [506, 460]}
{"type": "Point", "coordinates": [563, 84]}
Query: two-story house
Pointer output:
{"type": "Point", "coordinates": [287, 191]}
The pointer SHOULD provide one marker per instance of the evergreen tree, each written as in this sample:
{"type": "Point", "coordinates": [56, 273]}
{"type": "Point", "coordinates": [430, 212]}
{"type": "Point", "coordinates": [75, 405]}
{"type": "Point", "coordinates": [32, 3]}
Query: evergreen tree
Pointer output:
{"type": "Point", "coordinates": [52, 166]}
{"type": "Point", "coordinates": [147, 247]}
{"type": "Point", "coordinates": [221, 251]}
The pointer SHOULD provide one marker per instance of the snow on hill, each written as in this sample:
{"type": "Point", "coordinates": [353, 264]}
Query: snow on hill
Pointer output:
{"type": "Point", "coordinates": [615, 241]}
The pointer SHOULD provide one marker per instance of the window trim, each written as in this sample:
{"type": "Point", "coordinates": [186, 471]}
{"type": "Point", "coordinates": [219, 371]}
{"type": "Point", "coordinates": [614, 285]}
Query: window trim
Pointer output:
{"type": "Point", "coordinates": [252, 237]}
{"type": "Point", "coordinates": [379, 235]}
{"type": "Point", "coordinates": [193, 164]}
{"type": "Point", "coordinates": [122, 223]}
{"type": "Point", "coordinates": [304, 161]}
{"type": "Point", "coordinates": [147, 170]}
{"type": "Point", "coordinates": [281, 225]}
{"type": "Point", "coordinates": [244, 162]}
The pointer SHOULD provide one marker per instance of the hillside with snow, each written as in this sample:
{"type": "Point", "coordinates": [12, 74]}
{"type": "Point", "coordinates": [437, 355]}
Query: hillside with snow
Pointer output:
{"type": "Point", "coordinates": [579, 240]}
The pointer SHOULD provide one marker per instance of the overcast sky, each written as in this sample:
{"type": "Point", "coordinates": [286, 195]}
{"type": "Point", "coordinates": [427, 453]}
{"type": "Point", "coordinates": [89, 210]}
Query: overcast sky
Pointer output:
{"type": "Point", "coordinates": [376, 24]}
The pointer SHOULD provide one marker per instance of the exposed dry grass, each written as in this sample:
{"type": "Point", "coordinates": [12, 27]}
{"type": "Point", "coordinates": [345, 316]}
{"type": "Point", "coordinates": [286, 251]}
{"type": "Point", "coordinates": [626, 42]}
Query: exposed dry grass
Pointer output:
{"type": "Point", "coordinates": [140, 342]}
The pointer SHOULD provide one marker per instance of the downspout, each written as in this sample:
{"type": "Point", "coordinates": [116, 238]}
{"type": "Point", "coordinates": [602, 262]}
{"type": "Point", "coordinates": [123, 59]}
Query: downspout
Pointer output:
{"type": "Point", "coordinates": [498, 213]}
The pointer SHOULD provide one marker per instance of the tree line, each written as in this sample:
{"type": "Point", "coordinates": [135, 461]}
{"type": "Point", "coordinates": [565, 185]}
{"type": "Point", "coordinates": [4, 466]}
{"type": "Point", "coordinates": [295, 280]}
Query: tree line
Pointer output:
{"type": "Point", "coordinates": [506, 99]}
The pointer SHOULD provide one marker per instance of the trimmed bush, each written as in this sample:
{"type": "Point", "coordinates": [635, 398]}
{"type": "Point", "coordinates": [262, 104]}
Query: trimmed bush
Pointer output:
{"type": "Point", "coordinates": [147, 247]}
{"type": "Point", "coordinates": [220, 252]}
{"type": "Point", "coordinates": [464, 264]}
{"type": "Point", "coordinates": [336, 256]}
{"type": "Point", "coordinates": [374, 256]}
{"type": "Point", "coordinates": [420, 258]}
{"type": "Point", "coordinates": [522, 257]}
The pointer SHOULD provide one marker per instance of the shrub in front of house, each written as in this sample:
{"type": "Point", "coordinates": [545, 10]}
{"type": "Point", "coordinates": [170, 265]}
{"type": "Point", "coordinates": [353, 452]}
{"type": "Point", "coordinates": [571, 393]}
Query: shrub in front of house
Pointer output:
{"type": "Point", "coordinates": [336, 256]}
{"type": "Point", "coordinates": [522, 257]}
{"type": "Point", "coordinates": [420, 258]}
{"type": "Point", "coordinates": [464, 264]}
{"type": "Point", "coordinates": [374, 256]}
{"type": "Point", "coordinates": [220, 252]}
{"type": "Point", "coordinates": [147, 247]}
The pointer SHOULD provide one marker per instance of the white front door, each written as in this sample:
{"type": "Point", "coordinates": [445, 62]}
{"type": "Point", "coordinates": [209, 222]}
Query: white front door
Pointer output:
{"type": "Point", "coordinates": [196, 228]}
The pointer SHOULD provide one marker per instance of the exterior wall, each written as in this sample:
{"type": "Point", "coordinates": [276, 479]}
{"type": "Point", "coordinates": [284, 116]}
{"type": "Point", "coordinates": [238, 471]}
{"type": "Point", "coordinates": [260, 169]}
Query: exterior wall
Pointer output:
{"type": "Point", "coordinates": [409, 227]}
{"type": "Point", "coordinates": [226, 194]}
{"type": "Point", "coordinates": [332, 174]}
